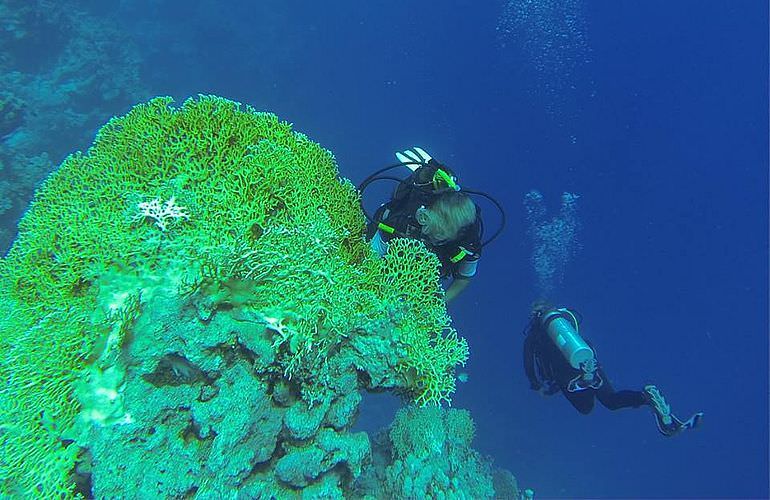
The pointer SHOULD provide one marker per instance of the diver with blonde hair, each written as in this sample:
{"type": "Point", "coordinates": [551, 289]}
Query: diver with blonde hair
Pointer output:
{"type": "Point", "coordinates": [430, 206]}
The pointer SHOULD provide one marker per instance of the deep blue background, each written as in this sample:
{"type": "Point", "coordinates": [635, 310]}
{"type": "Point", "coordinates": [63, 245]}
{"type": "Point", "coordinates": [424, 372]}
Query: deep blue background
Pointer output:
{"type": "Point", "coordinates": [665, 137]}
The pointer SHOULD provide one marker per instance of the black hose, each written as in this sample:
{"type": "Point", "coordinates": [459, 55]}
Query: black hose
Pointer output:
{"type": "Point", "coordinates": [373, 177]}
{"type": "Point", "coordinates": [368, 181]}
{"type": "Point", "coordinates": [499, 207]}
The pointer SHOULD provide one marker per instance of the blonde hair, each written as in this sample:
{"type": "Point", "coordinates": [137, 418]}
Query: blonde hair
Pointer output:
{"type": "Point", "coordinates": [451, 212]}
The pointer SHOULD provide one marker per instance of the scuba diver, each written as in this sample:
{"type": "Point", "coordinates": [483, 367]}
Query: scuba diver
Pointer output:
{"type": "Point", "coordinates": [430, 206]}
{"type": "Point", "coordinates": [556, 358]}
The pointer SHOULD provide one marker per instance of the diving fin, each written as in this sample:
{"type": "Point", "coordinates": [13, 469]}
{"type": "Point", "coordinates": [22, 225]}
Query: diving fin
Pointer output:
{"type": "Point", "coordinates": [668, 423]}
{"type": "Point", "coordinates": [413, 158]}
{"type": "Point", "coordinates": [676, 426]}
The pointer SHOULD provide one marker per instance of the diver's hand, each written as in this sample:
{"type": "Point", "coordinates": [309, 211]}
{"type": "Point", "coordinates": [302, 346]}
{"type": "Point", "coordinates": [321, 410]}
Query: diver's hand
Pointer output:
{"type": "Point", "coordinates": [414, 157]}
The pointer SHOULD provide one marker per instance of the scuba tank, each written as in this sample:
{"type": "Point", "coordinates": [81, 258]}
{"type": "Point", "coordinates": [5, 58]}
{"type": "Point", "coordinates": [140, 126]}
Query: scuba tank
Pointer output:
{"type": "Point", "coordinates": [561, 326]}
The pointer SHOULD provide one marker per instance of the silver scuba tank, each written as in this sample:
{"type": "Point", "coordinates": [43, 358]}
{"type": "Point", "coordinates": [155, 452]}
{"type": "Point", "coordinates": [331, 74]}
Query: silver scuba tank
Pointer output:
{"type": "Point", "coordinates": [561, 326]}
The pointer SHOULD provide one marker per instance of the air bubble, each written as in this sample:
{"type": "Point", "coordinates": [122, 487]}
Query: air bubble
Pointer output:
{"type": "Point", "coordinates": [551, 34]}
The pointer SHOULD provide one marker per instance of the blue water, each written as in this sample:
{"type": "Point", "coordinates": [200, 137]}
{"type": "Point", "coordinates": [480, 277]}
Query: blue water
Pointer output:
{"type": "Point", "coordinates": [654, 112]}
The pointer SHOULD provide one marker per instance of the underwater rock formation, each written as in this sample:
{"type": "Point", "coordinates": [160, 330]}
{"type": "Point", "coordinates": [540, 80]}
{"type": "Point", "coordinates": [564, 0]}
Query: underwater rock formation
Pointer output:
{"type": "Point", "coordinates": [62, 71]}
{"type": "Point", "coordinates": [191, 309]}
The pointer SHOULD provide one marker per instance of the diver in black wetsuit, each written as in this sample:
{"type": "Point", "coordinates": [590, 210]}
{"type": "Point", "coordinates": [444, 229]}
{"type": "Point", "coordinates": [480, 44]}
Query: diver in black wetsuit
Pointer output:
{"type": "Point", "coordinates": [430, 206]}
{"type": "Point", "coordinates": [557, 359]}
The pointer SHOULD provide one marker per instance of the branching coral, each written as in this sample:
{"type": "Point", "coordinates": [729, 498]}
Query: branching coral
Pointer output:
{"type": "Point", "coordinates": [275, 244]}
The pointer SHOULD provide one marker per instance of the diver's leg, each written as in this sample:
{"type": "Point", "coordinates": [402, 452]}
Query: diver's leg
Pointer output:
{"type": "Point", "coordinates": [615, 400]}
{"type": "Point", "coordinates": [583, 401]}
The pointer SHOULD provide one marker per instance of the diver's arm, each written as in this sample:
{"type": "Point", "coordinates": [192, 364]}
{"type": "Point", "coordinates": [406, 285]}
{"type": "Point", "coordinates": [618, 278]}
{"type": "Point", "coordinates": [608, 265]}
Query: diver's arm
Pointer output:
{"type": "Point", "coordinates": [466, 269]}
{"type": "Point", "coordinates": [529, 362]}
{"type": "Point", "coordinates": [459, 284]}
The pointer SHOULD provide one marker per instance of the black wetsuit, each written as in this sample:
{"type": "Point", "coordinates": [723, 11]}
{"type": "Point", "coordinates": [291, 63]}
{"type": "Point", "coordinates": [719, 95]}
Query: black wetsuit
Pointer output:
{"type": "Point", "coordinates": [545, 365]}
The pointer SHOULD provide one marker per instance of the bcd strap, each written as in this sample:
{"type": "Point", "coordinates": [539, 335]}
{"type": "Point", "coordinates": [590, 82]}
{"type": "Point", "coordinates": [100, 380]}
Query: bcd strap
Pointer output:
{"type": "Point", "coordinates": [460, 255]}
{"type": "Point", "coordinates": [589, 379]}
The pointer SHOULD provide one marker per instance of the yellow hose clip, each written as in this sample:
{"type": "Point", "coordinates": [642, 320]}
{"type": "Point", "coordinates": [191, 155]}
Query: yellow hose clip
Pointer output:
{"type": "Point", "coordinates": [459, 255]}
{"type": "Point", "coordinates": [442, 176]}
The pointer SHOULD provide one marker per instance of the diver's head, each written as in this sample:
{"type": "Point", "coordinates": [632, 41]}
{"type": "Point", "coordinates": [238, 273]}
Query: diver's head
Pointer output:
{"type": "Point", "coordinates": [540, 307]}
{"type": "Point", "coordinates": [449, 214]}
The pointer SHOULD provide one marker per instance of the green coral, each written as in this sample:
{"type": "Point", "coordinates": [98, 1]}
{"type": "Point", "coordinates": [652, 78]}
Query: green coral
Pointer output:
{"type": "Point", "coordinates": [432, 456]}
{"type": "Point", "coordinates": [433, 349]}
{"type": "Point", "coordinates": [274, 238]}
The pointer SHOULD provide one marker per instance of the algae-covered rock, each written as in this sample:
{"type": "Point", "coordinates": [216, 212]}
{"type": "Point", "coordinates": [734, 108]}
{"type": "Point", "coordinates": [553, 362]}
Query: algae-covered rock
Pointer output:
{"type": "Point", "coordinates": [302, 421]}
{"type": "Point", "coordinates": [427, 453]}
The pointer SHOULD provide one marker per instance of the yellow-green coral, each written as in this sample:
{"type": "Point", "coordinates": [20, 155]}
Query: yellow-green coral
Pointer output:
{"type": "Point", "coordinates": [410, 282]}
{"type": "Point", "coordinates": [272, 229]}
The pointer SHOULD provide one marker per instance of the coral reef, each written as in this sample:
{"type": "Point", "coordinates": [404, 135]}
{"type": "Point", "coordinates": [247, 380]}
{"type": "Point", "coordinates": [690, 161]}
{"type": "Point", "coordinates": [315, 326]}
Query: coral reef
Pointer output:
{"type": "Point", "coordinates": [426, 453]}
{"type": "Point", "coordinates": [431, 449]}
{"type": "Point", "coordinates": [224, 349]}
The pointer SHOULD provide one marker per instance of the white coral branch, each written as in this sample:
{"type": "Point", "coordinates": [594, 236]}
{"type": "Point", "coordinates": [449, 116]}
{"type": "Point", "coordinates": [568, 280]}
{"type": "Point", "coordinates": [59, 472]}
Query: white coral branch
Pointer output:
{"type": "Point", "coordinates": [162, 213]}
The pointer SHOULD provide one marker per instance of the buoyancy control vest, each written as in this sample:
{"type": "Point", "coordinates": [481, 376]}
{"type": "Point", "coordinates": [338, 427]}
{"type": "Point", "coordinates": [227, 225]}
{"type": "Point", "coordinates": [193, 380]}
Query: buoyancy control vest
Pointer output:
{"type": "Point", "coordinates": [397, 217]}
